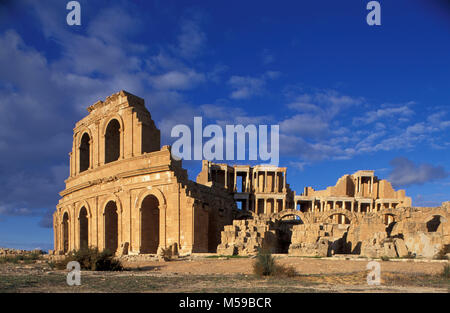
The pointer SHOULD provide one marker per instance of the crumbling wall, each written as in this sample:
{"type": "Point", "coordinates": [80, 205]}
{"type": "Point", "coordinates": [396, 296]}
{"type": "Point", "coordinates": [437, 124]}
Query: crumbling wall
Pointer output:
{"type": "Point", "coordinates": [246, 237]}
{"type": "Point", "coordinates": [317, 239]}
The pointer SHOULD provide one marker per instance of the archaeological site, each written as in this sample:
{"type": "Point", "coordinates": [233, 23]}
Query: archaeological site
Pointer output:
{"type": "Point", "coordinates": [127, 194]}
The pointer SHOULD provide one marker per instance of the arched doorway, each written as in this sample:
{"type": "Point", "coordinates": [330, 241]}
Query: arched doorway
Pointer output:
{"type": "Point", "coordinates": [65, 227]}
{"type": "Point", "coordinates": [84, 152]}
{"type": "Point", "coordinates": [112, 141]}
{"type": "Point", "coordinates": [338, 218]}
{"type": "Point", "coordinates": [111, 227]}
{"type": "Point", "coordinates": [149, 224]}
{"type": "Point", "coordinates": [286, 224]}
{"type": "Point", "coordinates": [84, 228]}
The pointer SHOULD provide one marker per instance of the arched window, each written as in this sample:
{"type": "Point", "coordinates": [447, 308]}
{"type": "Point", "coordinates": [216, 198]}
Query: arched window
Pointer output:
{"type": "Point", "coordinates": [84, 152]}
{"type": "Point", "coordinates": [65, 229]}
{"type": "Point", "coordinates": [112, 141]}
{"type": "Point", "coordinates": [111, 227]}
{"type": "Point", "coordinates": [149, 225]}
{"type": "Point", "coordinates": [84, 228]}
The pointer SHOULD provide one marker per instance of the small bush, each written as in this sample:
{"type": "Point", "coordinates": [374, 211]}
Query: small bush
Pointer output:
{"type": "Point", "coordinates": [446, 271]}
{"type": "Point", "coordinates": [285, 271]}
{"type": "Point", "coordinates": [165, 254]}
{"type": "Point", "coordinates": [265, 265]}
{"type": "Point", "coordinates": [21, 258]}
{"type": "Point", "coordinates": [442, 254]}
{"type": "Point", "coordinates": [92, 259]}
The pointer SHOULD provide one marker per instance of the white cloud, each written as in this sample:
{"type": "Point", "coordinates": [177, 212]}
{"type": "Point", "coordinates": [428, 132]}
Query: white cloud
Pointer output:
{"type": "Point", "coordinates": [406, 173]}
{"type": "Point", "coordinates": [389, 113]}
{"type": "Point", "coordinates": [245, 87]}
{"type": "Point", "coordinates": [305, 125]}
{"type": "Point", "coordinates": [177, 80]}
{"type": "Point", "coordinates": [192, 40]}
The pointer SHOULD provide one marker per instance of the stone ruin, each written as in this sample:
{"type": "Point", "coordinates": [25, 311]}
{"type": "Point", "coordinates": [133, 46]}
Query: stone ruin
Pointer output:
{"type": "Point", "coordinates": [361, 215]}
{"type": "Point", "coordinates": [127, 194]}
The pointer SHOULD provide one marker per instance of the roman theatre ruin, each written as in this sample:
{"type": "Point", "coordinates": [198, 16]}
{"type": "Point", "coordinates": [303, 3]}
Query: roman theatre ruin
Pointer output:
{"type": "Point", "coordinates": [126, 194]}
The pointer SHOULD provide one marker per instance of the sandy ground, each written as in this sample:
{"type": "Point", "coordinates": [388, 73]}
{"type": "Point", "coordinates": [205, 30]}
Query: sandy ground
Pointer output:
{"type": "Point", "coordinates": [201, 266]}
{"type": "Point", "coordinates": [200, 274]}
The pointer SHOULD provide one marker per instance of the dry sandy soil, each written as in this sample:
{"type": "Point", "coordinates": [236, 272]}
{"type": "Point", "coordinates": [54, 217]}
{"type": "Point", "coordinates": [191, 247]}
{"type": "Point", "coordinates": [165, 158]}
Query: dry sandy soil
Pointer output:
{"type": "Point", "coordinates": [200, 274]}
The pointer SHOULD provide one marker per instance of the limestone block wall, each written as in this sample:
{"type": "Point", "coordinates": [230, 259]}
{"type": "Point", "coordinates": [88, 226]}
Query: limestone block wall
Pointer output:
{"type": "Point", "coordinates": [246, 237]}
{"type": "Point", "coordinates": [126, 194]}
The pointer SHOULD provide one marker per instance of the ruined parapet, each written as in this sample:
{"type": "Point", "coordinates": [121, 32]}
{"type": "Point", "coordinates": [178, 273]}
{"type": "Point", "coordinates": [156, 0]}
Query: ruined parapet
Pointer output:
{"type": "Point", "coordinates": [317, 239]}
{"type": "Point", "coordinates": [246, 237]}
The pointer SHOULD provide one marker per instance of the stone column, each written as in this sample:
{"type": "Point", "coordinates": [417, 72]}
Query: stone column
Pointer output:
{"type": "Point", "coordinates": [265, 181]}
{"type": "Point", "coordinates": [275, 181]}
{"type": "Point", "coordinates": [247, 187]}
{"type": "Point", "coordinates": [359, 207]}
{"type": "Point", "coordinates": [226, 178]}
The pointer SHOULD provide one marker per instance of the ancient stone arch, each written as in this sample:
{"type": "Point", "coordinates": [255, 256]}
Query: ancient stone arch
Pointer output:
{"type": "Point", "coordinates": [83, 228]}
{"type": "Point", "coordinates": [146, 227]}
{"type": "Point", "coordinates": [65, 230]}
{"type": "Point", "coordinates": [150, 191]}
{"type": "Point", "coordinates": [111, 226]}
{"type": "Point", "coordinates": [113, 141]}
{"type": "Point", "coordinates": [323, 218]}
{"type": "Point", "coordinates": [280, 215]}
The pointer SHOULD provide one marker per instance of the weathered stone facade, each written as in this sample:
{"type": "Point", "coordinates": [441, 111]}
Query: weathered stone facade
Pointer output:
{"type": "Point", "coordinates": [359, 215]}
{"type": "Point", "coordinates": [128, 195]}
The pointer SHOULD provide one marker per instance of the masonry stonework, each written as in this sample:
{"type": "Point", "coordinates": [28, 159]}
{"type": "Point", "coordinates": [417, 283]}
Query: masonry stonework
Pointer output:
{"type": "Point", "coordinates": [126, 194]}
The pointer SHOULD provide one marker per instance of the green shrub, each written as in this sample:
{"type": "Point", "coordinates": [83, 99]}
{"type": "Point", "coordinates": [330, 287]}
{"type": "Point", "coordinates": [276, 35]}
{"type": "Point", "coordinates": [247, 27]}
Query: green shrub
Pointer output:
{"type": "Point", "coordinates": [92, 259]}
{"type": "Point", "coordinates": [23, 258]}
{"type": "Point", "coordinates": [285, 271]}
{"type": "Point", "coordinates": [265, 265]}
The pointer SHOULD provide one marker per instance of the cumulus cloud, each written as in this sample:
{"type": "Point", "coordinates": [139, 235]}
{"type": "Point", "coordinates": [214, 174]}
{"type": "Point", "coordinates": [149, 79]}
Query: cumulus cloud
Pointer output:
{"type": "Point", "coordinates": [305, 125]}
{"type": "Point", "coordinates": [326, 124]}
{"type": "Point", "coordinates": [177, 80]}
{"type": "Point", "coordinates": [245, 87]}
{"type": "Point", "coordinates": [192, 38]}
{"type": "Point", "coordinates": [391, 113]}
{"type": "Point", "coordinates": [406, 173]}
{"type": "Point", "coordinates": [43, 97]}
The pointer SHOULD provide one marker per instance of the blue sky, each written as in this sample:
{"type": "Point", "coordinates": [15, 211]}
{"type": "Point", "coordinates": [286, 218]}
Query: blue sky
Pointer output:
{"type": "Point", "coordinates": [347, 96]}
